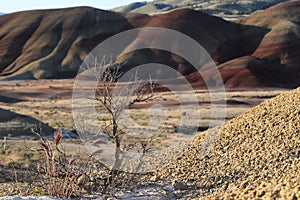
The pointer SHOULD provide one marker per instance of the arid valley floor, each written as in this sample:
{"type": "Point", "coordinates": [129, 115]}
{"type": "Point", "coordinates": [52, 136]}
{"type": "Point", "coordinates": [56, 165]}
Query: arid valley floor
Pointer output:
{"type": "Point", "coordinates": [50, 101]}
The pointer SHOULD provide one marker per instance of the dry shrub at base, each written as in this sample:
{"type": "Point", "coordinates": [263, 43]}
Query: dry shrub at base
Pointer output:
{"type": "Point", "coordinates": [58, 175]}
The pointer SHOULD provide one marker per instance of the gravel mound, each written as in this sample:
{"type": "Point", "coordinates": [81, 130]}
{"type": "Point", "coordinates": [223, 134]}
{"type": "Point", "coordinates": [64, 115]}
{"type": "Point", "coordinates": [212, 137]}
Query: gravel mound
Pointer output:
{"type": "Point", "coordinates": [256, 156]}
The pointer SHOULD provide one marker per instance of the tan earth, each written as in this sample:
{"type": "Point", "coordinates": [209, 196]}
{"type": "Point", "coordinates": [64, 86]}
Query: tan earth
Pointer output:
{"type": "Point", "coordinates": [257, 155]}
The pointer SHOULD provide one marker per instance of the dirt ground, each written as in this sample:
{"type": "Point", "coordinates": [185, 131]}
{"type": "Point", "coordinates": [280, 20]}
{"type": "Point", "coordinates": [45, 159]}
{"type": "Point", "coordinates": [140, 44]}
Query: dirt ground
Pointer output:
{"type": "Point", "coordinates": [50, 101]}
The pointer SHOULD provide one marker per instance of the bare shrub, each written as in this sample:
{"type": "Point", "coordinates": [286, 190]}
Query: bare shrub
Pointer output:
{"type": "Point", "coordinates": [58, 174]}
{"type": "Point", "coordinates": [112, 99]}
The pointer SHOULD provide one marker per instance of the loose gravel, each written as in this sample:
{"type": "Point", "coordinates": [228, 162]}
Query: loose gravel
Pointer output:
{"type": "Point", "coordinates": [257, 155]}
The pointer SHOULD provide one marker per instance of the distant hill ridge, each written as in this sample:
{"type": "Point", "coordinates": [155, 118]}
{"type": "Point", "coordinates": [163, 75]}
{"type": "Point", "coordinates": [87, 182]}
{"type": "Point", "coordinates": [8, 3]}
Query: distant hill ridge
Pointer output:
{"type": "Point", "coordinates": [227, 8]}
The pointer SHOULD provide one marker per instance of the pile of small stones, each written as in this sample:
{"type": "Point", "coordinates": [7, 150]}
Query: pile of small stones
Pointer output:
{"type": "Point", "coordinates": [256, 155]}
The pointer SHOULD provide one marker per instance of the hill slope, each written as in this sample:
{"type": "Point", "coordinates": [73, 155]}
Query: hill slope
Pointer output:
{"type": "Point", "coordinates": [203, 28]}
{"type": "Point", "coordinates": [53, 43]}
{"type": "Point", "coordinates": [261, 50]}
{"type": "Point", "coordinates": [15, 124]}
{"type": "Point", "coordinates": [276, 58]}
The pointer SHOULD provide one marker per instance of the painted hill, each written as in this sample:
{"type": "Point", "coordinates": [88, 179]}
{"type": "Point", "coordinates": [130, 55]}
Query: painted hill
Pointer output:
{"type": "Point", "coordinates": [53, 43]}
{"type": "Point", "coordinates": [230, 9]}
{"type": "Point", "coordinates": [257, 155]}
{"type": "Point", "coordinates": [275, 59]}
{"type": "Point", "coordinates": [203, 28]}
{"type": "Point", "coordinates": [257, 51]}
{"type": "Point", "coordinates": [260, 50]}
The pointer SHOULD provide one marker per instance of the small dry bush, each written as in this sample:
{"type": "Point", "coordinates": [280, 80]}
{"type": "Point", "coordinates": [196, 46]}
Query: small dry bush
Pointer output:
{"type": "Point", "coordinates": [64, 176]}
{"type": "Point", "coordinates": [60, 175]}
